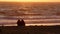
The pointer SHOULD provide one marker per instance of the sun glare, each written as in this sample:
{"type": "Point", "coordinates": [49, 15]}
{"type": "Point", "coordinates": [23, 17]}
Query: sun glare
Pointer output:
{"type": "Point", "coordinates": [30, 0]}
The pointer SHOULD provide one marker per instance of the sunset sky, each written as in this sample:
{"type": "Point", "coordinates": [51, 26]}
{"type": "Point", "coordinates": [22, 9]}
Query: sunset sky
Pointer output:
{"type": "Point", "coordinates": [30, 0]}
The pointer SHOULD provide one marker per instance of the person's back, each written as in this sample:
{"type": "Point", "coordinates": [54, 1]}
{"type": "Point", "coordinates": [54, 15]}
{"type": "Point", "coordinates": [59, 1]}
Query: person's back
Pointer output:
{"type": "Point", "coordinates": [20, 22]}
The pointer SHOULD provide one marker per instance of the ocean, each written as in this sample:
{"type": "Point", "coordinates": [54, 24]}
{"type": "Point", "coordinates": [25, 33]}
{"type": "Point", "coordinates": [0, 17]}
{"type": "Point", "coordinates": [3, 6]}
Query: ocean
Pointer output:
{"type": "Point", "coordinates": [33, 13]}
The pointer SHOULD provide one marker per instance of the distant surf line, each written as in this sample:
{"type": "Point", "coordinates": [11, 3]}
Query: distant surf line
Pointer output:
{"type": "Point", "coordinates": [40, 24]}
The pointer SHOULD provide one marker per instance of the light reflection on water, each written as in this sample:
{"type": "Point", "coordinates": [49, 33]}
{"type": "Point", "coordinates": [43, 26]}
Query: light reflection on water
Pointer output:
{"type": "Point", "coordinates": [41, 24]}
{"type": "Point", "coordinates": [5, 22]}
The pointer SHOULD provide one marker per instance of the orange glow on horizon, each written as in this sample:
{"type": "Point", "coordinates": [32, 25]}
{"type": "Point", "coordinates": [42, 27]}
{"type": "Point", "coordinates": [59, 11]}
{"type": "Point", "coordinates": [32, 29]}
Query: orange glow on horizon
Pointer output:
{"type": "Point", "coordinates": [29, 0]}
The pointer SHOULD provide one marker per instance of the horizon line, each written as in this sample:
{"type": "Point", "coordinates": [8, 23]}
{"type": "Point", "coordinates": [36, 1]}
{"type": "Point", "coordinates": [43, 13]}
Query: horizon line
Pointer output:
{"type": "Point", "coordinates": [21, 1]}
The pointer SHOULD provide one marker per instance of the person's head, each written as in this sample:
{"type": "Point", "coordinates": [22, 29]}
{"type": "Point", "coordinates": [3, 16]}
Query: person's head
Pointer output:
{"type": "Point", "coordinates": [20, 19]}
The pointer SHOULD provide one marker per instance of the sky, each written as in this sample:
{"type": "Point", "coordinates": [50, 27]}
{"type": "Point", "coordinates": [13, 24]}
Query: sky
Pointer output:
{"type": "Point", "coordinates": [30, 0]}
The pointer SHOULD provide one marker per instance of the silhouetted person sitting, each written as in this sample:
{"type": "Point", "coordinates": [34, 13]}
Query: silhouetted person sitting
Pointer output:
{"type": "Point", "coordinates": [20, 22]}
